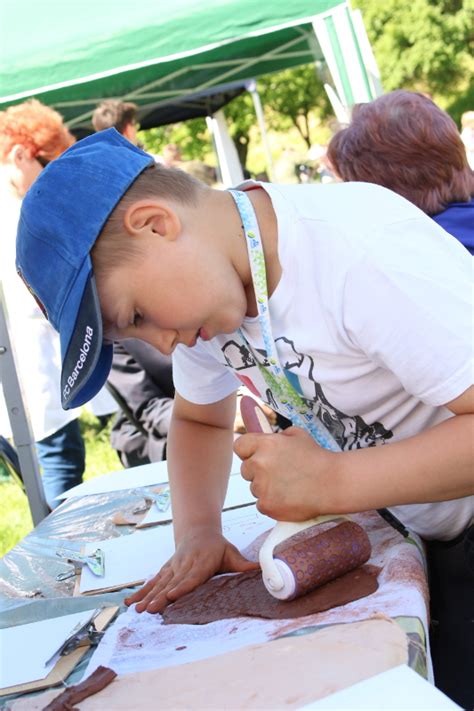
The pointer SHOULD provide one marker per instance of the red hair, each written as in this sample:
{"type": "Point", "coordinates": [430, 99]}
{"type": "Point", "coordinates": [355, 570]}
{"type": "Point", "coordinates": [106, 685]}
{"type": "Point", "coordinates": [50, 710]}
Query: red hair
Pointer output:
{"type": "Point", "coordinates": [35, 126]}
{"type": "Point", "coordinates": [404, 142]}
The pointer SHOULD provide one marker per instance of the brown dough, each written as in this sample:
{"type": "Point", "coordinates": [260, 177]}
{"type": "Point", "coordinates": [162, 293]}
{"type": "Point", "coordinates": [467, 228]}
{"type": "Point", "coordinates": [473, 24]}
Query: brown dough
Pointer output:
{"type": "Point", "coordinates": [97, 681]}
{"type": "Point", "coordinates": [244, 595]}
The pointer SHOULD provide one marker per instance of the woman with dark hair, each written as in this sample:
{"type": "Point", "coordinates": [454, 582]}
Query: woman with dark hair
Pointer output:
{"type": "Point", "coordinates": [406, 143]}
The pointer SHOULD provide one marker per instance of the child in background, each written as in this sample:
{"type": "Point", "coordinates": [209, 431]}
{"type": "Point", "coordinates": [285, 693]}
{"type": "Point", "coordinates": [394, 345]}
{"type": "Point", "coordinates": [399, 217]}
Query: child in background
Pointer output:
{"type": "Point", "coordinates": [113, 113]}
{"type": "Point", "coordinates": [319, 298]}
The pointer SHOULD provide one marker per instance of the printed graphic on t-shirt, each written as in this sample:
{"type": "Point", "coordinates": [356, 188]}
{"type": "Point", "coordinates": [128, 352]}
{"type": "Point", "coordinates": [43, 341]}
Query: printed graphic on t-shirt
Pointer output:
{"type": "Point", "coordinates": [349, 431]}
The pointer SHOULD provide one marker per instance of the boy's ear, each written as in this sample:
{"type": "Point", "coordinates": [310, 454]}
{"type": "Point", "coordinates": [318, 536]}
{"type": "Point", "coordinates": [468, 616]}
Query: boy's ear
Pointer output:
{"type": "Point", "coordinates": [130, 132]}
{"type": "Point", "coordinates": [149, 217]}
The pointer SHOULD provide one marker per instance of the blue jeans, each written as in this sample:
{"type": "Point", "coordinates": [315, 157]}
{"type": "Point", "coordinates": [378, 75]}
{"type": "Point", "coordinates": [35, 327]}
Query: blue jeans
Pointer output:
{"type": "Point", "coordinates": [62, 459]}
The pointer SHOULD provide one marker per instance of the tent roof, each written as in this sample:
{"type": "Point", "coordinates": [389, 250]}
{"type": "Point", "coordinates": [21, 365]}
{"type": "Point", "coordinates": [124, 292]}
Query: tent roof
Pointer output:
{"type": "Point", "coordinates": [200, 103]}
{"type": "Point", "coordinates": [81, 53]}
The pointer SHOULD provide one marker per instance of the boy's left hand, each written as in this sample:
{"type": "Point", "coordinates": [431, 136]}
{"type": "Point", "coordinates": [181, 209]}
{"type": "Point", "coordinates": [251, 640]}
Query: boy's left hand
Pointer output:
{"type": "Point", "coordinates": [288, 473]}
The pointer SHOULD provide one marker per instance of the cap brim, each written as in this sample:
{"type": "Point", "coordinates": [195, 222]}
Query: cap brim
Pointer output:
{"type": "Point", "coordinates": [86, 361]}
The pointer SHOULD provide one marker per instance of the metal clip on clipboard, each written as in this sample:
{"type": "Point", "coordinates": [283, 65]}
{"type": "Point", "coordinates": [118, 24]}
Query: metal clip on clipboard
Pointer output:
{"type": "Point", "coordinates": [94, 561]}
{"type": "Point", "coordinates": [161, 498]}
{"type": "Point", "coordinates": [83, 633]}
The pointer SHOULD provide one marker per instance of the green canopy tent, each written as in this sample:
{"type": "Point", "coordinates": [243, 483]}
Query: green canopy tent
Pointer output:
{"type": "Point", "coordinates": [73, 55]}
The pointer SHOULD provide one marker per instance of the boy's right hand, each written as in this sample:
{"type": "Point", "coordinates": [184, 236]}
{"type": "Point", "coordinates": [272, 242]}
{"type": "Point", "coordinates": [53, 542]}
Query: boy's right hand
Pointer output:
{"type": "Point", "coordinates": [198, 556]}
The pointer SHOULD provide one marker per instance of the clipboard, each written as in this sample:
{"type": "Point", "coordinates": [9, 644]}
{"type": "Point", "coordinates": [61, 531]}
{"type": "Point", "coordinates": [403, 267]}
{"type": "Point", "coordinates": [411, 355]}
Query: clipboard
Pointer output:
{"type": "Point", "coordinates": [129, 560]}
{"type": "Point", "coordinates": [65, 664]}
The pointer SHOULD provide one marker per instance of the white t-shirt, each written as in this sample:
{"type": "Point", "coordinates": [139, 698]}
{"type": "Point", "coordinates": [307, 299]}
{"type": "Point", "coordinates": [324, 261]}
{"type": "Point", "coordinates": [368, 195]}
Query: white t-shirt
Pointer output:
{"type": "Point", "coordinates": [372, 319]}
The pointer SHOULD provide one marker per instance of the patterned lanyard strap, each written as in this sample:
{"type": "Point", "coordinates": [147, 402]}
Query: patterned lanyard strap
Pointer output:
{"type": "Point", "coordinates": [288, 398]}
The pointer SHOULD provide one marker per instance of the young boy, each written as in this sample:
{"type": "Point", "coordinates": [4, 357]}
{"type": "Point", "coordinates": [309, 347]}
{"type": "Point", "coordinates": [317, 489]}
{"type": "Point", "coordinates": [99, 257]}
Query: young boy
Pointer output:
{"type": "Point", "coordinates": [370, 332]}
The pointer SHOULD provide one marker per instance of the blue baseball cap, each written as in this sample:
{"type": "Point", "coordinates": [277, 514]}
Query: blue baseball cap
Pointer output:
{"type": "Point", "coordinates": [61, 217]}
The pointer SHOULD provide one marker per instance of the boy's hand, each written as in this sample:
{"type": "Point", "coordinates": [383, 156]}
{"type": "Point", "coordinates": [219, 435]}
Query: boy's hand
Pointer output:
{"type": "Point", "coordinates": [289, 473]}
{"type": "Point", "coordinates": [198, 557]}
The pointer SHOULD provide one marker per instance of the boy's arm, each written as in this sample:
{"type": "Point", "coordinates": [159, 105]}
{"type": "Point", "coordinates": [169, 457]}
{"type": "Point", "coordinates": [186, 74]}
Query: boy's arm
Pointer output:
{"type": "Point", "coordinates": [294, 479]}
{"type": "Point", "coordinates": [435, 465]}
{"type": "Point", "coordinates": [199, 460]}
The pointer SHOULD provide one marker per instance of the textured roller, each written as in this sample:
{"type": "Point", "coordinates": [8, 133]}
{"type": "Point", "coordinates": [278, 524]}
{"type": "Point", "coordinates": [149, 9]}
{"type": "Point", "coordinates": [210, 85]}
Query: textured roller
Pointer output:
{"type": "Point", "coordinates": [322, 557]}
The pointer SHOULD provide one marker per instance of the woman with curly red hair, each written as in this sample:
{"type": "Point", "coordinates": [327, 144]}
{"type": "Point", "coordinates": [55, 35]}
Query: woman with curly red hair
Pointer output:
{"type": "Point", "coordinates": [31, 135]}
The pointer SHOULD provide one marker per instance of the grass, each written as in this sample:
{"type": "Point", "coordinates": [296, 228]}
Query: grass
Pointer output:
{"type": "Point", "coordinates": [15, 522]}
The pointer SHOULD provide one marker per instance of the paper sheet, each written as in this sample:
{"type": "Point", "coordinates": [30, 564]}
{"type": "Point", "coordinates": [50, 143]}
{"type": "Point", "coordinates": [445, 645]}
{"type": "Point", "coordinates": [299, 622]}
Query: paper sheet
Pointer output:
{"type": "Point", "coordinates": [238, 494]}
{"type": "Point", "coordinates": [133, 558]}
{"type": "Point", "coordinates": [242, 526]}
{"type": "Point", "coordinates": [26, 648]}
{"type": "Point", "coordinates": [398, 689]}
{"type": "Point", "coordinates": [129, 559]}
{"type": "Point", "coordinates": [145, 475]}
{"type": "Point", "coordinates": [138, 642]}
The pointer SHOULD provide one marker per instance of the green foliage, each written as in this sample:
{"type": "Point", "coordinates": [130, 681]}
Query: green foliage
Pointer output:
{"type": "Point", "coordinates": [16, 520]}
{"type": "Point", "coordinates": [100, 457]}
{"type": "Point", "coordinates": [240, 115]}
{"type": "Point", "coordinates": [191, 136]}
{"type": "Point", "coordinates": [291, 97]}
{"type": "Point", "coordinates": [423, 45]}
{"type": "Point", "coordinates": [462, 101]}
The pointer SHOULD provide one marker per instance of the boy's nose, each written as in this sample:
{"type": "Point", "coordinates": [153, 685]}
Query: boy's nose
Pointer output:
{"type": "Point", "coordinates": [166, 341]}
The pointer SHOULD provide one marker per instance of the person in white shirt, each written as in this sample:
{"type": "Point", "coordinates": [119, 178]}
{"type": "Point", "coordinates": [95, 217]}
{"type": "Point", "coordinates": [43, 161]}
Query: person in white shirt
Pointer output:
{"type": "Point", "coordinates": [31, 135]}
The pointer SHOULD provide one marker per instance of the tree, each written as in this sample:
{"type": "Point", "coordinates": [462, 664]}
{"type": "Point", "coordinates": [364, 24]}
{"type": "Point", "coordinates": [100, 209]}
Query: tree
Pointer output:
{"type": "Point", "coordinates": [191, 136]}
{"type": "Point", "coordinates": [288, 98]}
{"type": "Point", "coordinates": [240, 115]}
{"type": "Point", "coordinates": [291, 96]}
{"type": "Point", "coordinates": [423, 45]}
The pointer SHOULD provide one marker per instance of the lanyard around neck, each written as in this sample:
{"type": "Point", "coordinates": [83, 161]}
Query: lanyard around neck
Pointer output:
{"type": "Point", "coordinates": [289, 400]}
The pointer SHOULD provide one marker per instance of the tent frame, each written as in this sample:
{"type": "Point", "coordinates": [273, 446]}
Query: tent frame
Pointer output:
{"type": "Point", "coordinates": [20, 422]}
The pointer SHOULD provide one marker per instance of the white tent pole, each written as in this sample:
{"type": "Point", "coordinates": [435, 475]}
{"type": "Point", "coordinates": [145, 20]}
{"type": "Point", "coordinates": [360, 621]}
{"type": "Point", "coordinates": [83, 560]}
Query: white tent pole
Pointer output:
{"type": "Point", "coordinates": [341, 112]}
{"type": "Point", "coordinates": [19, 422]}
{"type": "Point", "coordinates": [231, 170]}
{"type": "Point", "coordinates": [252, 88]}
{"type": "Point", "coordinates": [370, 62]}
{"type": "Point", "coordinates": [329, 57]}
